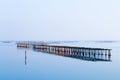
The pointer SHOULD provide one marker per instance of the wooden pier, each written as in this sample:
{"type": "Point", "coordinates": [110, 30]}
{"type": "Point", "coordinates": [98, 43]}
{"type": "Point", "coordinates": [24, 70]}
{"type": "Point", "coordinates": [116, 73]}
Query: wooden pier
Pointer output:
{"type": "Point", "coordinates": [89, 54]}
{"type": "Point", "coordinates": [29, 44]}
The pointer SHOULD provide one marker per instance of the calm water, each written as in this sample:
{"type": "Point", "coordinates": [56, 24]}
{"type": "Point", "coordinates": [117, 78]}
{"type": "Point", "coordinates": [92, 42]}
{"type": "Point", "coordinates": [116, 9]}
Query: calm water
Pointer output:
{"type": "Point", "coordinates": [15, 65]}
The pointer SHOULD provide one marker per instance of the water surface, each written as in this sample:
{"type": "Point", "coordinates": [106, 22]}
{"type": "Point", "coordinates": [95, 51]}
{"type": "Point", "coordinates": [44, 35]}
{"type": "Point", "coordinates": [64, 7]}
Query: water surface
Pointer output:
{"type": "Point", "coordinates": [16, 64]}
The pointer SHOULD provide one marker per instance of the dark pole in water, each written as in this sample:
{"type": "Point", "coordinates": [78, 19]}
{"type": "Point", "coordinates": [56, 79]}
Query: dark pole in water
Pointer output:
{"type": "Point", "coordinates": [25, 58]}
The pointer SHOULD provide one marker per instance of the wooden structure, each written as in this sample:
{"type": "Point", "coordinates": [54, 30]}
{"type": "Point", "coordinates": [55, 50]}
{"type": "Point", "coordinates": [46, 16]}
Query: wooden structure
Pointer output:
{"type": "Point", "coordinates": [90, 54]}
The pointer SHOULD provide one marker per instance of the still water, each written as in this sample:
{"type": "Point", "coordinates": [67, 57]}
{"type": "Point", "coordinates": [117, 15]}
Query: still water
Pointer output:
{"type": "Point", "coordinates": [27, 64]}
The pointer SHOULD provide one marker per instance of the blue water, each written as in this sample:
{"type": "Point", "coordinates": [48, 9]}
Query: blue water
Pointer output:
{"type": "Point", "coordinates": [15, 65]}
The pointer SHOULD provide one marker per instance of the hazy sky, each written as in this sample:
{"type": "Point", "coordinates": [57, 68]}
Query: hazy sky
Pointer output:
{"type": "Point", "coordinates": [59, 19]}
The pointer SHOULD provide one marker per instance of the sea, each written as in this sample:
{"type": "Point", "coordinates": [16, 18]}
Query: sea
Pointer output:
{"type": "Point", "coordinates": [28, 64]}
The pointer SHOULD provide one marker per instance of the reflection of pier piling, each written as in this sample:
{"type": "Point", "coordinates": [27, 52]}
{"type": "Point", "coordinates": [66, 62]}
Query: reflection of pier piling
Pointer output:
{"type": "Point", "coordinates": [25, 58]}
{"type": "Point", "coordinates": [90, 54]}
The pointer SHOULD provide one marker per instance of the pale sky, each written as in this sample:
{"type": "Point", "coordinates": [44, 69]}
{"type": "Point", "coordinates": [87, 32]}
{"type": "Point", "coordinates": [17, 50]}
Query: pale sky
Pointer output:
{"type": "Point", "coordinates": [59, 20]}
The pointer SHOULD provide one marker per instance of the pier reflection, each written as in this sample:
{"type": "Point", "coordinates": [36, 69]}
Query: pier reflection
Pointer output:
{"type": "Point", "coordinates": [25, 58]}
{"type": "Point", "coordinates": [80, 55]}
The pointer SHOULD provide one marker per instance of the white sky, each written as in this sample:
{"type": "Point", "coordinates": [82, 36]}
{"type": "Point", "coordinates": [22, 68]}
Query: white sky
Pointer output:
{"type": "Point", "coordinates": [59, 20]}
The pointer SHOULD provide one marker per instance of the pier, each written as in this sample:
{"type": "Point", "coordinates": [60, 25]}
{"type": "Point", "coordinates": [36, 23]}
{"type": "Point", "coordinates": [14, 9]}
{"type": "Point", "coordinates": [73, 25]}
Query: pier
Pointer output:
{"type": "Point", "coordinates": [83, 53]}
